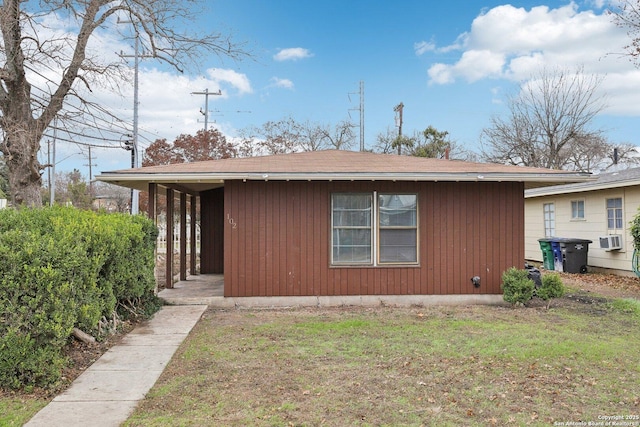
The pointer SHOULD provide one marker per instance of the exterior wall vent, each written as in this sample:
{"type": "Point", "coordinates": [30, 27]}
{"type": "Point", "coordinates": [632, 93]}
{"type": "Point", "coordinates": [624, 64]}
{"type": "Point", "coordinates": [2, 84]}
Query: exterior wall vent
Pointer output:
{"type": "Point", "coordinates": [612, 242]}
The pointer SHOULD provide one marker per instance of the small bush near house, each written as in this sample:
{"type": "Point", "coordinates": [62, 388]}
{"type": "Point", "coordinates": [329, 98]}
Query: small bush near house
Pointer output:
{"type": "Point", "coordinates": [635, 230]}
{"type": "Point", "coordinates": [552, 287]}
{"type": "Point", "coordinates": [62, 268]}
{"type": "Point", "coordinates": [516, 286]}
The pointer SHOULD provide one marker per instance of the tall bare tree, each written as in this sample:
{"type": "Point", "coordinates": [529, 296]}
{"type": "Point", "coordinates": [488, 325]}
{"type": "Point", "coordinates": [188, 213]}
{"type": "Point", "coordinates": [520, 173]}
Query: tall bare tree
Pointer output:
{"type": "Point", "coordinates": [549, 120]}
{"type": "Point", "coordinates": [338, 137]}
{"type": "Point", "coordinates": [626, 14]}
{"type": "Point", "coordinates": [28, 52]}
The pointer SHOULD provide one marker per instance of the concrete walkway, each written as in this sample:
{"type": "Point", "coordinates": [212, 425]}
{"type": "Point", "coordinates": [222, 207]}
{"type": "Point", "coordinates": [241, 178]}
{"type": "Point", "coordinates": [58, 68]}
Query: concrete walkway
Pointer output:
{"type": "Point", "coordinates": [106, 394]}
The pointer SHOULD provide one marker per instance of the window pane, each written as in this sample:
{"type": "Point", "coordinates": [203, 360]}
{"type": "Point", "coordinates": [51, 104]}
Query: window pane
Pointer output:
{"type": "Point", "coordinates": [549, 220]}
{"type": "Point", "coordinates": [398, 245]}
{"type": "Point", "coordinates": [614, 203]}
{"type": "Point", "coordinates": [351, 236]}
{"type": "Point", "coordinates": [352, 210]}
{"type": "Point", "coordinates": [577, 209]}
{"type": "Point", "coordinates": [398, 210]}
{"type": "Point", "coordinates": [614, 214]}
{"type": "Point", "coordinates": [352, 246]}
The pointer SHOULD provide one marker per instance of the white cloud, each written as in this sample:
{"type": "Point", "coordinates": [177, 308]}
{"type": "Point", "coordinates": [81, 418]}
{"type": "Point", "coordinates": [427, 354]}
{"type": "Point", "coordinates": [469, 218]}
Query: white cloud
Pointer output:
{"type": "Point", "coordinates": [509, 42]}
{"type": "Point", "coordinates": [283, 83]}
{"type": "Point", "coordinates": [441, 74]}
{"type": "Point", "coordinates": [513, 44]}
{"type": "Point", "coordinates": [292, 54]}
{"type": "Point", "coordinates": [238, 81]}
{"type": "Point", "coordinates": [423, 47]}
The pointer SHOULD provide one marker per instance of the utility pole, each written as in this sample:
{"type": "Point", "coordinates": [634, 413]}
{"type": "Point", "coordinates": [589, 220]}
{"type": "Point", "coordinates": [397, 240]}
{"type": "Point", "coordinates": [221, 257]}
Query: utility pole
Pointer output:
{"type": "Point", "coordinates": [398, 109]}
{"type": "Point", "coordinates": [128, 145]}
{"type": "Point", "coordinates": [206, 94]}
{"type": "Point", "coordinates": [135, 193]}
{"type": "Point", "coordinates": [90, 171]}
{"type": "Point", "coordinates": [361, 109]}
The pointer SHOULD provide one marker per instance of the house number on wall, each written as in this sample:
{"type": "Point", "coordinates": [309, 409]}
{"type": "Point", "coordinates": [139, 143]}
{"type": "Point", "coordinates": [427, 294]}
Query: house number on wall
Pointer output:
{"type": "Point", "coordinates": [232, 221]}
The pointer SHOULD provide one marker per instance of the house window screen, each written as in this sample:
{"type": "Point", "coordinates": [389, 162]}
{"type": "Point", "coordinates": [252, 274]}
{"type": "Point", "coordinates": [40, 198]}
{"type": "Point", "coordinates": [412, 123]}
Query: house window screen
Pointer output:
{"type": "Point", "coordinates": [351, 219]}
{"type": "Point", "coordinates": [614, 214]}
{"type": "Point", "coordinates": [398, 228]}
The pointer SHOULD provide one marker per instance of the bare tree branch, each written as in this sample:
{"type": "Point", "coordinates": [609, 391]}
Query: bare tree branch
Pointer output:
{"type": "Point", "coordinates": [31, 53]}
{"type": "Point", "coordinates": [548, 122]}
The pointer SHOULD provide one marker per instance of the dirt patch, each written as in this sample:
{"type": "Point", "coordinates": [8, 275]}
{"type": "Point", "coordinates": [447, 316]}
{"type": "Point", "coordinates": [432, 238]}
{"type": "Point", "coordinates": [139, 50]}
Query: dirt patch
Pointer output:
{"type": "Point", "coordinates": [606, 285]}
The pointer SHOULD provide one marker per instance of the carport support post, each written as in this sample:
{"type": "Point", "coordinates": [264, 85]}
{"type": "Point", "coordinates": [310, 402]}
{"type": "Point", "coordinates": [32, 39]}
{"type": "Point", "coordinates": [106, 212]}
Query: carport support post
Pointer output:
{"type": "Point", "coordinates": [183, 236]}
{"type": "Point", "coordinates": [192, 254]}
{"type": "Point", "coordinates": [169, 261]}
{"type": "Point", "coordinates": [151, 213]}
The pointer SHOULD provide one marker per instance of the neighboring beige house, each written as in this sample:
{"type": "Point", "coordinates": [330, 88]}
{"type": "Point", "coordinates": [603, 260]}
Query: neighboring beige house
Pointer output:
{"type": "Point", "coordinates": [599, 210]}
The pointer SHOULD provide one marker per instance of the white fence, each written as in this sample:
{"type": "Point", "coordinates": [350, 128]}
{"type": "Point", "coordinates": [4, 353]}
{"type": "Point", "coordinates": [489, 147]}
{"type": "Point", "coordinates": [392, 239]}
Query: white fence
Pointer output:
{"type": "Point", "coordinates": [162, 237]}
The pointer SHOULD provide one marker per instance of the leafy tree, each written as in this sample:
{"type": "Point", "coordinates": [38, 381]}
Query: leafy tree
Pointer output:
{"type": "Point", "coordinates": [205, 145]}
{"type": "Point", "coordinates": [429, 143]}
{"type": "Point", "coordinates": [549, 121]}
{"type": "Point", "coordinates": [28, 110]}
{"type": "Point", "coordinates": [160, 152]}
{"type": "Point", "coordinates": [401, 141]}
{"type": "Point", "coordinates": [72, 188]}
{"type": "Point", "coordinates": [433, 144]}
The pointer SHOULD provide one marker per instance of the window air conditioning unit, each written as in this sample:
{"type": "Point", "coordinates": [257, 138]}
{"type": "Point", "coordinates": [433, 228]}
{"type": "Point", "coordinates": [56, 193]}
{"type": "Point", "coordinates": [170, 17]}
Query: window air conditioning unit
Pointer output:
{"type": "Point", "coordinates": [612, 242]}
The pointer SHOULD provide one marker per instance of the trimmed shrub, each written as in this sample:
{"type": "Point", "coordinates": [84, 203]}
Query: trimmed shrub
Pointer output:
{"type": "Point", "coordinates": [552, 287]}
{"type": "Point", "coordinates": [516, 286]}
{"type": "Point", "coordinates": [62, 268]}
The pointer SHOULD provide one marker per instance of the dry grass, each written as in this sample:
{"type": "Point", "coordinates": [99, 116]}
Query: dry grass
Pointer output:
{"type": "Point", "coordinates": [402, 366]}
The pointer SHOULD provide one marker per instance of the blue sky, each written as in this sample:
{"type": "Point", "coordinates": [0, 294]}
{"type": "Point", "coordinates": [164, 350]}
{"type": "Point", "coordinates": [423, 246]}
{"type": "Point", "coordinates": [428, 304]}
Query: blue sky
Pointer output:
{"type": "Point", "coordinates": [451, 64]}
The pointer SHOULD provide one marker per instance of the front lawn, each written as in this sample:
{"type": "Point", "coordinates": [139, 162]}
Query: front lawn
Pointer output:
{"type": "Point", "coordinates": [415, 366]}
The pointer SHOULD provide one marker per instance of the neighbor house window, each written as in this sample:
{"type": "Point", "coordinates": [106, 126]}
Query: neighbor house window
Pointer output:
{"type": "Point", "coordinates": [549, 219]}
{"type": "Point", "coordinates": [614, 214]}
{"type": "Point", "coordinates": [577, 209]}
{"type": "Point", "coordinates": [372, 229]}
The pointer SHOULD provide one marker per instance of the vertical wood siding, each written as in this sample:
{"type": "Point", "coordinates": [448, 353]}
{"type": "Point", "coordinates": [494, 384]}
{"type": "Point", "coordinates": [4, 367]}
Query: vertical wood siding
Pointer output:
{"type": "Point", "coordinates": [277, 239]}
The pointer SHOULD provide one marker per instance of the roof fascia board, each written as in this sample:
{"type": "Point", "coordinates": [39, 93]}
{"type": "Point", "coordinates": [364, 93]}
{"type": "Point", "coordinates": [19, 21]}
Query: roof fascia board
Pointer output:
{"type": "Point", "coordinates": [208, 177]}
{"type": "Point", "coordinates": [579, 188]}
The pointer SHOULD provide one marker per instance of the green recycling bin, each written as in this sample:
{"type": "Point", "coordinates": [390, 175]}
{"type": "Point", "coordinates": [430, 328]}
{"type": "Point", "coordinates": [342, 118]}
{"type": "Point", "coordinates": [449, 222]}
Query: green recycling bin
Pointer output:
{"type": "Point", "coordinates": [547, 253]}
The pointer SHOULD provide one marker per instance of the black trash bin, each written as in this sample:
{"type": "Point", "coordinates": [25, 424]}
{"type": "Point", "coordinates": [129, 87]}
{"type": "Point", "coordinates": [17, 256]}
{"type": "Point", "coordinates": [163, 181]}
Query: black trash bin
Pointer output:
{"type": "Point", "coordinates": [574, 254]}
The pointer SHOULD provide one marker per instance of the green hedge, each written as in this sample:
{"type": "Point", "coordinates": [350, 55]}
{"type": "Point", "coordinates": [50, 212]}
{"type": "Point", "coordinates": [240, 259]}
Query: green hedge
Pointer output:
{"type": "Point", "coordinates": [62, 268]}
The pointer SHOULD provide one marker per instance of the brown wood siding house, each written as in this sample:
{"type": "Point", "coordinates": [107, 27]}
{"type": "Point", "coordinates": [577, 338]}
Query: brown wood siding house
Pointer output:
{"type": "Point", "coordinates": [340, 223]}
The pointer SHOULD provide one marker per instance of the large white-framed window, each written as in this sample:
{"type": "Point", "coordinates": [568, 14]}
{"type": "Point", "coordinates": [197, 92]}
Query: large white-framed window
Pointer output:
{"type": "Point", "coordinates": [374, 228]}
{"type": "Point", "coordinates": [577, 210]}
{"type": "Point", "coordinates": [615, 222]}
{"type": "Point", "coordinates": [549, 211]}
